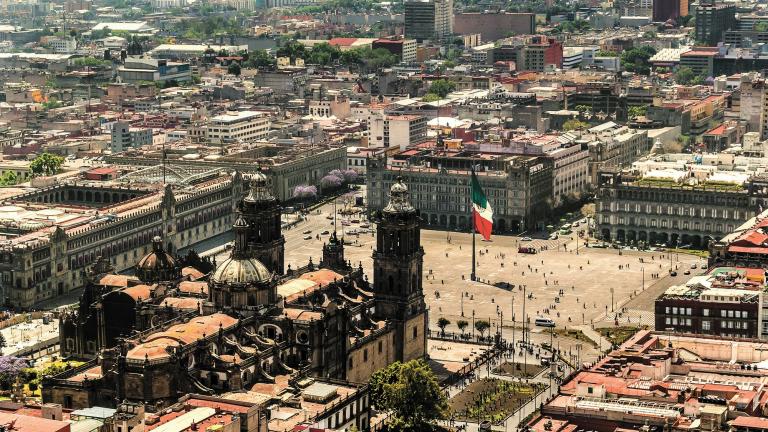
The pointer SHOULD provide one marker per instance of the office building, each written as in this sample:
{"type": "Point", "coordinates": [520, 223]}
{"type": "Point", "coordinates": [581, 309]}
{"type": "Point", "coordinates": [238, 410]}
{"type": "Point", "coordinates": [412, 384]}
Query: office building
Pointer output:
{"type": "Point", "coordinates": [712, 20]}
{"type": "Point", "coordinates": [494, 26]}
{"type": "Point", "coordinates": [135, 70]}
{"type": "Point", "coordinates": [405, 49]}
{"type": "Point", "coordinates": [664, 10]}
{"type": "Point", "coordinates": [429, 19]}
{"type": "Point", "coordinates": [124, 136]}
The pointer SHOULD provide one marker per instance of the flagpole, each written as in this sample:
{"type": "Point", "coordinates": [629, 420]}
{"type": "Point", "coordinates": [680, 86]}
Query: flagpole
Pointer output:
{"type": "Point", "coordinates": [473, 277]}
{"type": "Point", "coordinates": [472, 222]}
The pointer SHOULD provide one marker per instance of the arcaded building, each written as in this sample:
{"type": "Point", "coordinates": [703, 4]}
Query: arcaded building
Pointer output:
{"type": "Point", "coordinates": [251, 327]}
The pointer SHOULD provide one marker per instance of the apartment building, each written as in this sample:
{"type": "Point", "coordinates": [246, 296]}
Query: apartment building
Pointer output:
{"type": "Point", "coordinates": [239, 126]}
{"type": "Point", "coordinates": [386, 130]}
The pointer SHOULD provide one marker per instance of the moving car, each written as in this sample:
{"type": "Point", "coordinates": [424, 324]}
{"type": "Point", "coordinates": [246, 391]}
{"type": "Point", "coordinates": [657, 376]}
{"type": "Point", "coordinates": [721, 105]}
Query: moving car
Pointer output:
{"type": "Point", "coordinates": [526, 239]}
{"type": "Point", "coordinates": [307, 237]}
{"type": "Point", "coordinates": [307, 232]}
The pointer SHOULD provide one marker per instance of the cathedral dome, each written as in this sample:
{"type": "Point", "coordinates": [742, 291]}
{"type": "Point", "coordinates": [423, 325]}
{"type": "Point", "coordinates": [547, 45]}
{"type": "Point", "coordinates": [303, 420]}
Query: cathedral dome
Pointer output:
{"type": "Point", "coordinates": [156, 265]}
{"type": "Point", "coordinates": [241, 271]}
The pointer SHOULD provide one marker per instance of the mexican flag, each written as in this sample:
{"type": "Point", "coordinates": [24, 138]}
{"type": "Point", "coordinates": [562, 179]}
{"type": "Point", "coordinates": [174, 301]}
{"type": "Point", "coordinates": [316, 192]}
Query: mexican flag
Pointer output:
{"type": "Point", "coordinates": [482, 213]}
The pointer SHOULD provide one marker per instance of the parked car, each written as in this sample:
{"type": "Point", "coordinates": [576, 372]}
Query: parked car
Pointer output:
{"type": "Point", "coordinates": [307, 237]}
{"type": "Point", "coordinates": [526, 239]}
{"type": "Point", "coordinates": [307, 232]}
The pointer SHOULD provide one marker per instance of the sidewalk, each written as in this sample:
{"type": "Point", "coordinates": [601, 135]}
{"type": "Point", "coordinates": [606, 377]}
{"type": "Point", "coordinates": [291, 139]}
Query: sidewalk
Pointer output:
{"type": "Point", "coordinates": [602, 343]}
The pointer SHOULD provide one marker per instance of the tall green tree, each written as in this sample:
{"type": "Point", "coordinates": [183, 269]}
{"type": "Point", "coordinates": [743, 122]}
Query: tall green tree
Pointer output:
{"type": "Point", "coordinates": [636, 59]}
{"type": "Point", "coordinates": [46, 164]}
{"type": "Point", "coordinates": [442, 87]}
{"type": "Point", "coordinates": [411, 393]}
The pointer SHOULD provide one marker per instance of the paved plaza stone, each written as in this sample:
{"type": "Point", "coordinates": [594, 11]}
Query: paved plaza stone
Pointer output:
{"type": "Point", "coordinates": [586, 278]}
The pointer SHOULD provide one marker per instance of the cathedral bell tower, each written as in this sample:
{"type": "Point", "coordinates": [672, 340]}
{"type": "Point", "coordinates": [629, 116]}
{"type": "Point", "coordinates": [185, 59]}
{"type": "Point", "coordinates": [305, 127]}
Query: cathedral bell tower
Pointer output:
{"type": "Point", "coordinates": [261, 211]}
{"type": "Point", "coordinates": [398, 264]}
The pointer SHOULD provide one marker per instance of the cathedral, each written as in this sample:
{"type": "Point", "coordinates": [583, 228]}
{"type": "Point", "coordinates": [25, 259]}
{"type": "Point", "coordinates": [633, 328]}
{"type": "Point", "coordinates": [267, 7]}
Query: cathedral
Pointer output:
{"type": "Point", "coordinates": [190, 325]}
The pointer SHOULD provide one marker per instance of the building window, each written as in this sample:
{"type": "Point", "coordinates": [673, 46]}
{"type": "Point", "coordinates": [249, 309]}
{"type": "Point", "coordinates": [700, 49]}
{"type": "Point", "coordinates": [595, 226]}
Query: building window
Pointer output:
{"type": "Point", "coordinates": [351, 364]}
{"type": "Point", "coordinates": [705, 312]}
{"type": "Point", "coordinates": [381, 346]}
{"type": "Point", "coordinates": [415, 332]}
{"type": "Point", "coordinates": [705, 325]}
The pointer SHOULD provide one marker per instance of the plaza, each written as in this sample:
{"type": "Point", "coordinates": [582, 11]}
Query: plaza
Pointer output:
{"type": "Point", "coordinates": [596, 283]}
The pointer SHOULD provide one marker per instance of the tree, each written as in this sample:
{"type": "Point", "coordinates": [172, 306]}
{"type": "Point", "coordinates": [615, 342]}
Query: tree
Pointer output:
{"type": "Point", "coordinates": [442, 87]}
{"type": "Point", "coordinates": [260, 59]}
{"type": "Point", "coordinates": [606, 53]}
{"type": "Point", "coordinates": [46, 164]}
{"type": "Point", "coordinates": [350, 175]}
{"type": "Point", "coordinates": [443, 323]}
{"type": "Point", "coordinates": [292, 49]}
{"type": "Point", "coordinates": [686, 76]}
{"type": "Point", "coordinates": [482, 326]}
{"type": "Point", "coordinates": [636, 59]}
{"type": "Point", "coordinates": [637, 111]}
{"type": "Point", "coordinates": [8, 178]}
{"type": "Point", "coordinates": [331, 181]}
{"type": "Point", "coordinates": [430, 97]}
{"type": "Point", "coordinates": [3, 343]}
{"type": "Point", "coordinates": [574, 124]}
{"type": "Point", "coordinates": [10, 368]}
{"type": "Point", "coordinates": [462, 325]}
{"type": "Point", "coordinates": [411, 393]}
{"type": "Point", "coordinates": [582, 108]}
{"type": "Point", "coordinates": [234, 68]}
{"type": "Point", "coordinates": [304, 191]}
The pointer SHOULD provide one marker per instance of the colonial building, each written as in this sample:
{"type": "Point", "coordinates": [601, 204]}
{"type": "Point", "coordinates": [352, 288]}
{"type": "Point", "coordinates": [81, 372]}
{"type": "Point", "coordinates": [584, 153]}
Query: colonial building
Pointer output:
{"type": "Point", "coordinates": [254, 328]}
{"type": "Point", "coordinates": [631, 208]}
{"type": "Point", "coordinates": [519, 187]}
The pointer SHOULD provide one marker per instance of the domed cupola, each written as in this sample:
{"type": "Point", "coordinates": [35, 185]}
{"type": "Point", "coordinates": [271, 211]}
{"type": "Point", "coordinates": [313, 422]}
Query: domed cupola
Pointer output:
{"type": "Point", "coordinates": [241, 282]}
{"type": "Point", "coordinates": [157, 265]}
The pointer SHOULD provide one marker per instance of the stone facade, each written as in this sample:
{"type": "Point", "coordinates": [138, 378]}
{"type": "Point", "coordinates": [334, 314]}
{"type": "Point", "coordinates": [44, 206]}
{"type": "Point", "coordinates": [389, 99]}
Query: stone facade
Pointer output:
{"type": "Point", "coordinates": [245, 334]}
{"type": "Point", "coordinates": [628, 210]}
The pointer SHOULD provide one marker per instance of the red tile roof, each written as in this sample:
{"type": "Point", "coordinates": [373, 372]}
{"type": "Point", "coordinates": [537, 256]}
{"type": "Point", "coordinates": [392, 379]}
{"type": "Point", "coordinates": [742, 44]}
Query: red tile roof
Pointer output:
{"type": "Point", "coordinates": [22, 423]}
{"type": "Point", "coordinates": [342, 41]}
{"type": "Point", "coordinates": [752, 422]}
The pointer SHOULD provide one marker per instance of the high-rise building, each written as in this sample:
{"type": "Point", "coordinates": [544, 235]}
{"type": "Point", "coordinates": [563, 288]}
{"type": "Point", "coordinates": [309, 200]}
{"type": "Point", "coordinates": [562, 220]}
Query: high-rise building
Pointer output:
{"type": "Point", "coordinates": [753, 103]}
{"type": "Point", "coordinates": [712, 20]}
{"type": "Point", "coordinates": [664, 10]}
{"type": "Point", "coordinates": [429, 19]}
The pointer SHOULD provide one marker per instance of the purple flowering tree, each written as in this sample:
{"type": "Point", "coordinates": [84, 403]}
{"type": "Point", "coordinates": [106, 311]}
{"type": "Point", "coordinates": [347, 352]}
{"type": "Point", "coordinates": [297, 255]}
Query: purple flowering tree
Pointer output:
{"type": "Point", "coordinates": [10, 368]}
{"type": "Point", "coordinates": [350, 175]}
{"type": "Point", "coordinates": [304, 192]}
{"type": "Point", "coordinates": [331, 181]}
